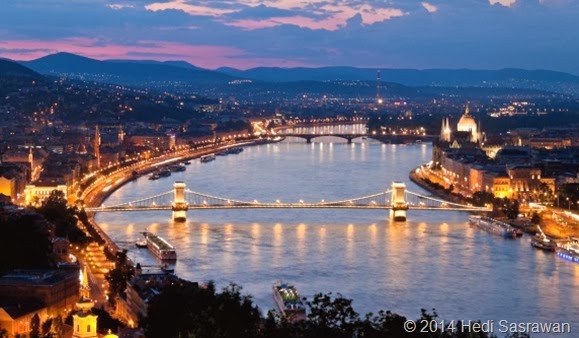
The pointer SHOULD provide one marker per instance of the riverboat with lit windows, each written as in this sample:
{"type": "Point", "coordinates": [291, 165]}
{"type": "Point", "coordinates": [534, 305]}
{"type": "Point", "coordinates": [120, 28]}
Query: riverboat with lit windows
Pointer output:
{"type": "Point", "coordinates": [288, 301]}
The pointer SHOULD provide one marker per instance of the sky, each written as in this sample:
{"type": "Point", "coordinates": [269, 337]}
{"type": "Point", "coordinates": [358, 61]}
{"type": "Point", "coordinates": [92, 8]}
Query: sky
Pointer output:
{"type": "Point", "coordinates": [477, 34]}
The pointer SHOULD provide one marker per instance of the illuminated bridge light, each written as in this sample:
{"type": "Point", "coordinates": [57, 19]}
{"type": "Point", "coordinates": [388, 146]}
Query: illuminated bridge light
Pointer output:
{"type": "Point", "coordinates": [277, 201]}
{"type": "Point", "coordinates": [302, 201]}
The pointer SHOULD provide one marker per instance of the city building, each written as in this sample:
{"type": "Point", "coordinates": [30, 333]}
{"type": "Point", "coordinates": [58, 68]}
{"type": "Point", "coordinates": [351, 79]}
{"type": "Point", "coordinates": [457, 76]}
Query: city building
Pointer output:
{"type": "Point", "coordinates": [38, 191]}
{"type": "Point", "coordinates": [25, 294]}
{"type": "Point", "coordinates": [142, 287]}
{"type": "Point", "coordinates": [84, 321]}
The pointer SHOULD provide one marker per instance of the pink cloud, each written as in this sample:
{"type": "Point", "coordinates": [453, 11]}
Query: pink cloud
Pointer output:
{"type": "Point", "coordinates": [182, 5]}
{"type": "Point", "coordinates": [429, 7]}
{"type": "Point", "coordinates": [338, 17]}
{"type": "Point", "coordinates": [206, 56]}
{"type": "Point", "coordinates": [505, 3]}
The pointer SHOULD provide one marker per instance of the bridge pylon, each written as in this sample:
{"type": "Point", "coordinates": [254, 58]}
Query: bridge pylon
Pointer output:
{"type": "Point", "coordinates": [179, 205]}
{"type": "Point", "coordinates": [399, 205]}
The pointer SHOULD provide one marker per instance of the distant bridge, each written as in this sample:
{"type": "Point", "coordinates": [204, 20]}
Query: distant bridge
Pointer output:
{"type": "Point", "coordinates": [179, 200]}
{"type": "Point", "coordinates": [386, 138]}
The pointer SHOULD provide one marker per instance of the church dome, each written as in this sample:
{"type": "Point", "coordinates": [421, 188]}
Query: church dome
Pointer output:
{"type": "Point", "coordinates": [468, 123]}
{"type": "Point", "coordinates": [110, 335]}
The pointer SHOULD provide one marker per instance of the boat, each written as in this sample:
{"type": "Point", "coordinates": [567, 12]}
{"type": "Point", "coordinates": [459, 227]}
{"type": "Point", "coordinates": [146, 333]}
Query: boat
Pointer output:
{"type": "Point", "coordinates": [177, 167]}
{"type": "Point", "coordinates": [235, 150]}
{"type": "Point", "coordinates": [207, 158]}
{"type": "Point", "coordinates": [493, 226]}
{"type": "Point", "coordinates": [541, 241]}
{"type": "Point", "coordinates": [186, 162]}
{"type": "Point", "coordinates": [142, 243]}
{"type": "Point", "coordinates": [164, 172]}
{"type": "Point", "coordinates": [568, 250]}
{"type": "Point", "coordinates": [166, 268]}
{"type": "Point", "coordinates": [155, 176]}
{"type": "Point", "coordinates": [160, 247]}
{"type": "Point", "coordinates": [288, 301]}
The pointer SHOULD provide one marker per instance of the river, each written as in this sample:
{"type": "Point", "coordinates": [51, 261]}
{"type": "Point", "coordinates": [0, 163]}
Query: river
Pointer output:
{"type": "Point", "coordinates": [434, 260]}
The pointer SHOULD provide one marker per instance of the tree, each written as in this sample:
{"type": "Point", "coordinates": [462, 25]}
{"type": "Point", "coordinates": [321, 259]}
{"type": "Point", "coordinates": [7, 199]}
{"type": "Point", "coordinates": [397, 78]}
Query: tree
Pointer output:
{"type": "Point", "coordinates": [56, 210]}
{"type": "Point", "coordinates": [24, 242]}
{"type": "Point", "coordinates": [58, 326]}
{"type": "Point", "coordinates": [46, 327]}
{"type": "Point", "coordinates": [481, 198]}
{"type": "Point", "coordinates": [119, 276]}
{"type": "Point", "coordinates": [332, 317]}
{"type": "Point", "coordinates": [513, 209]}
{"type": "Point", "coordinates": [184, 309]}
{"type": "Point", "coordinates": [536, 219]}
{"type": "Point", "coordinates": [35, 326]}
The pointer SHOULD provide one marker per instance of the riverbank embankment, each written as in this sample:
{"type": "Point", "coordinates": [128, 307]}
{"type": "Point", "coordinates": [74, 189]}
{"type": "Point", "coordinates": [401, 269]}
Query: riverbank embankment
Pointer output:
{"type": "Point", "coordinates": [95, 194]}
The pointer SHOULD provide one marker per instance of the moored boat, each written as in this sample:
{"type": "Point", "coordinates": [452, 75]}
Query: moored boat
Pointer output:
{"type": "Point", "coordinates": [164, 172]}
{"type": "Point", "coordinates": [141, 243]}
{"type": "Point", "coordinates": [235, 150]}
{"type": "Point", "coordinates": [207, 158]}
{"type": "Point", "coordinates": [160, 247]}
{"type": "Point", "coordinates": [543, 242]}
{"type": "Point", "coordinates": [568, 250]}
{"type": "Point", "coordinates": [154, 176]}
{"type": "Point", "coordinates": [288, 301]}
{"type": "Point", "coordinates": [493, 226]}
{"type": "Point", "coordinates": [177, 167]}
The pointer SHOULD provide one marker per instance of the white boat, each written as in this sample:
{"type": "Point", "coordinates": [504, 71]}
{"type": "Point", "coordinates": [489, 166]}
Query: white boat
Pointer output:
{"type": "Point", "coordinates": [160, 247]}
{"type": "Point", "coordinates": [541, 241]}
{"type": "Point", "coordinates": [177, 167]}
{"type": "Point", "coordinates": [493, 226]}
{"type": "Point", "coordinates": [288, 301]}
{"type": "Point", "coordinates": [568, 250]}
{"type": "Point", "coordinates": [207, 158]}
{"type": "Point", "coordinates": [141, 243]}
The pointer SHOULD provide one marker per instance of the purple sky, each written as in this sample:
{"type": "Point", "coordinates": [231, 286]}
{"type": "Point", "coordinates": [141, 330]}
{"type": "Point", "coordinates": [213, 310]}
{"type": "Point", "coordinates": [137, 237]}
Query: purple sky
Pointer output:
{"type": "Point", "coordinates": [481, 34]}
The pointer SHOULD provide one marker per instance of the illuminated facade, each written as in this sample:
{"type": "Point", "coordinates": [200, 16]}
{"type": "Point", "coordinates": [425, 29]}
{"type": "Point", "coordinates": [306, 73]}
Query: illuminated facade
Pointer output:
{"type": "Point", "coordinates": [84, 322]}
{"type": "Point", "coordinates": [38, 191]}
{"type": "Point", "coordinates": [468, 124]}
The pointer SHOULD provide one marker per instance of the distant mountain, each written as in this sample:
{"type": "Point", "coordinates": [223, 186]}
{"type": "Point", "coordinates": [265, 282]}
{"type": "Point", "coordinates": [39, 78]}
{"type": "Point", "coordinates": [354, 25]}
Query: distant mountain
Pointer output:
{"type": "Point", "coordinates": [13, 69]}
{"type": "Point", "coordinates": [182, 64]}
{"type": "Point", "coordinates": [509, 78]}
{"type": "Point", "coordinates": [125, 72]}
{"type": "Point", "coordinates": [183, 76]}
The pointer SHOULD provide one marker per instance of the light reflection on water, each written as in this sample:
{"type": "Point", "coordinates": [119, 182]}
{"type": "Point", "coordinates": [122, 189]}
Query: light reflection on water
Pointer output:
{"type": "Point", "coordinates": [433, 260]}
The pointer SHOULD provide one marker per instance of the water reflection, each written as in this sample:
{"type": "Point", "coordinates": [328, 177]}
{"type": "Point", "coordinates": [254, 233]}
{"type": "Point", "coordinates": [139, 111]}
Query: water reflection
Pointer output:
{"type": "Point", "coordinates": [433, 260]}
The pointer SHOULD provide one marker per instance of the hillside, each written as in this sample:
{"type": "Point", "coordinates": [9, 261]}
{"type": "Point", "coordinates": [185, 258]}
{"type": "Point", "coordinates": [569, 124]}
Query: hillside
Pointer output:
{"type": "Point", "coordinates": [124, 72]}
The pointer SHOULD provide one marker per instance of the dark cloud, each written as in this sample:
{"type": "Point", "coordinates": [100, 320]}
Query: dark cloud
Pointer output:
{"type": "Point", "coordinates": [465, 33]}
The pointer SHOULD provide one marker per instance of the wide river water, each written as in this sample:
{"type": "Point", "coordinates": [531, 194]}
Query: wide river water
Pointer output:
{"type": "Point", "coordinates": [433, 260]}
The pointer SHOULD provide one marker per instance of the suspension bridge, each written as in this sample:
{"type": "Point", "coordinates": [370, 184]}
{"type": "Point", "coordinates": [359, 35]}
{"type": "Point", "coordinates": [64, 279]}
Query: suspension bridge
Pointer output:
{"type": "Point", "coordinates": [397, 199]}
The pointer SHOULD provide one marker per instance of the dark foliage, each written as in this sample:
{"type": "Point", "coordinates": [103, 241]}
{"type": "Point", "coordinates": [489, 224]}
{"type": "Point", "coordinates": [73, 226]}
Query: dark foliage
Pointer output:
{"type": "Point", "coordinates": [24, 242]}
{"type": "Point", "coordinates": [64, 218]}
{"type": "Point", "coordinates": [184, 309]}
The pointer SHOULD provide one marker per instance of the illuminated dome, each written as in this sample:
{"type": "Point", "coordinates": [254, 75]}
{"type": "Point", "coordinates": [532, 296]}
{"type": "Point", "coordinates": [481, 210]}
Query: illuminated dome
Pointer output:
{"type": "Point", "coordinates": [110, 335]}
{"type": "Point", "coordinates": [467, 123]}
